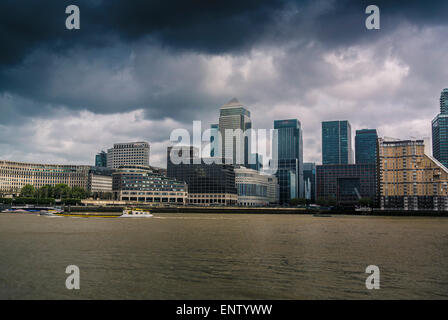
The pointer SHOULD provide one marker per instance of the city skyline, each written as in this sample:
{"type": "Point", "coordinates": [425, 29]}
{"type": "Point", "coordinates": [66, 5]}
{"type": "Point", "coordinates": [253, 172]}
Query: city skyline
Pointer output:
{"type": "Point", "coordinates": [138, 84]}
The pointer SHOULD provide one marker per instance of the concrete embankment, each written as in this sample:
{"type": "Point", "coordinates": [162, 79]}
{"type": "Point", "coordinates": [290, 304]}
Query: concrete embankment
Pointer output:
{"type": "Point", "coordinates": [257, 210]}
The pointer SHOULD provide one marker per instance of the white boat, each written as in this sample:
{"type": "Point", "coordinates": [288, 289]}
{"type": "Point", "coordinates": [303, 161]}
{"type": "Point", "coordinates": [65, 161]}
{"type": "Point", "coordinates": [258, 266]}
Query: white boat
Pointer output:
{"type": "Point", "coordinates": [136, 213]}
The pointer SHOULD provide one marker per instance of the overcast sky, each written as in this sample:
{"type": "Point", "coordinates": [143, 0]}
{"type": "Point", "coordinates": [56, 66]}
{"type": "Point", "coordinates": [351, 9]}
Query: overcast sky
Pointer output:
{"type": "Point", "coordinates": [136, 70]}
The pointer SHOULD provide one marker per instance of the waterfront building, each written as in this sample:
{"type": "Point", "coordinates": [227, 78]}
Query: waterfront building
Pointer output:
{"type": "Point", "coordinates": [100, 180]}
{"type": "Point", "coordinates": [101, 159]}
{"type": "Point", "coordinates": [208, 184]}
{"type": "Point", "coordinates": [289, 159]}
{"type": "Point", "coordinates": [130, 153]}
{"type": "Point", "coordinates": [254, 188]}
{"type": "Point", "coordinates": [141, 184]}
{"type": "Point", "coordinates": [408, 178]}
{"type": "Point", "coordinates": [440, 131]}
{"type": "Point", "coordinates": [309, 178]}
{"type": "Point", "coordinates": [337, 142]}
{"type": "Point", "coordinates": [234, 116]}
{"type": "Point", "coordinates": [365, 146]}
{"type": "Point", "coordinates": [346, 183]}
{"type": "Point", "coordinates": [15, 175]}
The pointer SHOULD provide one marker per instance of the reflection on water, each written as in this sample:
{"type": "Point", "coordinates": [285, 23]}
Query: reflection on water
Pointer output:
{"type": "Point", "coordinates": [210, 256]}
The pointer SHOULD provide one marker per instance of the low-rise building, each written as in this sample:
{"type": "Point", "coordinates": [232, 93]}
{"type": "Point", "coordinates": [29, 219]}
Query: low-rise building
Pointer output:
{"type": "Point", "coordinates": [141, 184]}
{"type": "Point", "coordinates": [254, 188]}
{"type": "Point", "coordinates": [408, 178]}
{"type": "Point", "coordinates": [15, 175]}
{"type": "Point", "coordinates": [346, 183]}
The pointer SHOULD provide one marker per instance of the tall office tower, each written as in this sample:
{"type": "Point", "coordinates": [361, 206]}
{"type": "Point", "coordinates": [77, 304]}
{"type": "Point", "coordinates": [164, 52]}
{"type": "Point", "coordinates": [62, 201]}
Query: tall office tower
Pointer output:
{"type": "Point", "coordinates": [440, 131]}
{"type": "Point", "coordinates": [309, 178]}
{"type": "Point", "coordinates": [214, 141]}
{"type": "Point", "coordinates": [337, 142]}
{"type": "Point", "coordinates": [101, 159]}
{"type": "Point", "coordinates": [290, 159]}
{"type": "Point", "coordinates": [130, 153]}
{"type": "Point", "coordinates": [365, 146]}
{"type": "Point", "coordinates": [233, 115]}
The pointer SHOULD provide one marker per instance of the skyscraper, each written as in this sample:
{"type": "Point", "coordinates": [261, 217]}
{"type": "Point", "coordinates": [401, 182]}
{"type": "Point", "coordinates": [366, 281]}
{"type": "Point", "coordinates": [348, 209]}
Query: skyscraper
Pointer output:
{"type": "Point", "coordinates": [101, 159]}
{"type": "Point", "coordinates": [440, 131]}
{"type": "Point", "coordinates": [290, 159]}
{"type": "Point", "coordinates": [233, 116]}
{"type": "Point", "coordinates": [366, 145]}
{"type": "Point", "coordinates": [337, 142]}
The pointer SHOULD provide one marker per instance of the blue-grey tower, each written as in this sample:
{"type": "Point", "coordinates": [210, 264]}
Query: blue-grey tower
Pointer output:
{"type": "Point", "coordinates": [366, 146]}
{"type": "Point", "coordinates": [440, 131]}
{"type": "Point", "coordinates": [290, 159]}
{"type": "Point", "coordinates": [337, 142]}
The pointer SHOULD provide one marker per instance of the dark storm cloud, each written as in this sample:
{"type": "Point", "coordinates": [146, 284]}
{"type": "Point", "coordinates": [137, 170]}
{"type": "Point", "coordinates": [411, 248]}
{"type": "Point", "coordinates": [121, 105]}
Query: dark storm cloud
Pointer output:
{"type": "Point", "coordinates": [171, 62]}
{"type": "Point", "coordinates": [198, 25]}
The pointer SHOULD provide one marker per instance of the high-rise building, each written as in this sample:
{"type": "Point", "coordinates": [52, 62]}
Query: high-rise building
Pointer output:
{"type": "Point", "coordinates": [234, 116]}
{"type": "Point", "coordinates": [101, 159]}
{"type": "Point", "coordinates": [365, 146]}
{"type": "Point", "coordinates": [337, 142]}
{"type": "Point", "coordinates": [290, 159]}
{"type": "Point", "coordinates": [309, 178]}
{"type": "Point", "coordinates": [130, 153]}
{"type": "Point", "coordinates": [408, 178]}
{"type": "Point", "coordinates": [440, 131]}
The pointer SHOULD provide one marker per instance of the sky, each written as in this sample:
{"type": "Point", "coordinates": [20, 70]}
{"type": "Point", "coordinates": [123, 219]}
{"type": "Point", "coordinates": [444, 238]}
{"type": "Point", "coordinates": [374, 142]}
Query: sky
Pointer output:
{"type": "Point", "coordinates": [137, 70]}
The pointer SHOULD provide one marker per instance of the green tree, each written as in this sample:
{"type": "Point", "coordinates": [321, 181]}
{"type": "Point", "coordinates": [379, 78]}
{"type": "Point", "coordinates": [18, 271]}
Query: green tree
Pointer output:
{"type": "Point", "coordinates": [79, 193]}
{"type": "Point", "coordinates": [27, 191]}
{"type": "Point", "coordinates": [61, 191]}
{"type": "Point", "coordinates": [45, 191]}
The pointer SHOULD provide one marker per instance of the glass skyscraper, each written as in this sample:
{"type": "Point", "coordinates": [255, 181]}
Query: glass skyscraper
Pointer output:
{"type": "Point", "coordinates": [290, 159]}
{"type": "Point", "coordinates": [365, 146]}
{"type": "Point", "coordinates": [440, 131]}
{"type": "Point", "coordinates": [337, 142]}
{"type": "Point", "coordinates": [101, 159]}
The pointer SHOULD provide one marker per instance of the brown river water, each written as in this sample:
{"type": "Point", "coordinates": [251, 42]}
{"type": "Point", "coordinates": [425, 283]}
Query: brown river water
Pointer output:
{"type": "Point", "coordinates": [216, 256]}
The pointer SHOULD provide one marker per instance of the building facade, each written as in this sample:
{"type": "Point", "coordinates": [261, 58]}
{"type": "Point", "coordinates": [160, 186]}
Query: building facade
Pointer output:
{"type": "Point", "coordinates": [289, 159]}
{"type": "Point", "coordinates": [208, 184]}
{"type": "Point", "coordinates": [234, 116]}
{"type": "Point", "coordinates": [346, 183]}
{"type": "Point", "coordinates": [409, 179]}
{"type": "Point", "coordinates": [15, 175]}
{"type": "Point", "coordinates": [128, 154]}
{"type": "Point", "coordinates": [141, 184]}
{"type": "Point", "coordinates": [337, 142]}
{"type": "Point", "coordinates": [309, 178]}
{"type": "Point", "coordinates": [365, 146]}
{"type": "Point", "coordinates": [254, 188]}
{"type": "Point", "coordinates": [440, 131]}
{"type": "Point", "coordinates": [100, 181]}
